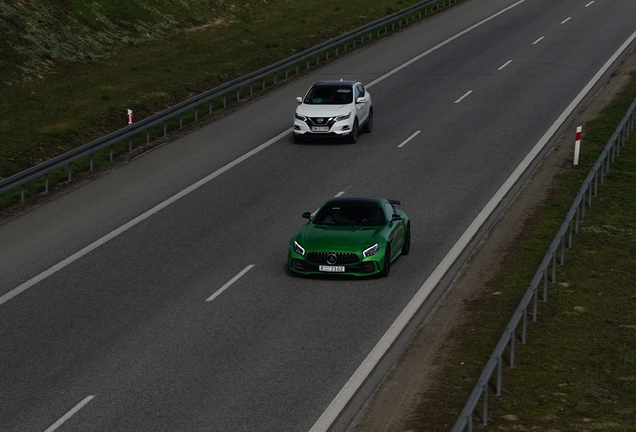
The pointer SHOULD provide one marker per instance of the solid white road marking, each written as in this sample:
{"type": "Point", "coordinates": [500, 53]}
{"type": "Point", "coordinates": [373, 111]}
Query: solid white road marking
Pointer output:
{"type": "Point", "coordinates": [462, 98]}
{"type": "Point", "coordinates": [538, 40]}
{"type": "Point", "coordinates": [229, 283]}
{"type": "Point", "coordinates": [373, 358]}
{"type": "Point", "coordinates": [410, 138]}
{"type": "Point", "coordinates": [505, 64]}
{"type": "Point", "coordinates": [69, 414]}
{"type": "Point", "coordinates": [79, 254]}
{"type": "Point", "coordinates": [566, 20]}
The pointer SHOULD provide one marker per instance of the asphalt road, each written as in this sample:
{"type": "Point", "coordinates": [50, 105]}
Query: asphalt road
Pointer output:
{"type": "Point", "coordinates": [105, 323]}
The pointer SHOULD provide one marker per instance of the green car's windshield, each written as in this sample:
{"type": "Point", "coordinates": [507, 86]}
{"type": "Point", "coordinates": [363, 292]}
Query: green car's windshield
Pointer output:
{"type": "Point", "coordinates": [350, 216]}
{"type": "Point", "coordinates": [329, 95]}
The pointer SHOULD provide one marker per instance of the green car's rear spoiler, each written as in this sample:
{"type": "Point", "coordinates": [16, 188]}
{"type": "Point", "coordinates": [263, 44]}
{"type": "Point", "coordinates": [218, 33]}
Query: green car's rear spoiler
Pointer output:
{"type": "Point", "coordinates": [395, 202]}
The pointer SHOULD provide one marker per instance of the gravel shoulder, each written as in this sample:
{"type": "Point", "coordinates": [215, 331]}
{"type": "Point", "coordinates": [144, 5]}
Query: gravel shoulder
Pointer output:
{"type": "Point", "coordinates": [419, 365]}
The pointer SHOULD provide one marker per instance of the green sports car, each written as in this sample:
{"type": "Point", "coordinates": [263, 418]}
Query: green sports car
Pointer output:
{"type": "Point", "coordinates": [357, 236]}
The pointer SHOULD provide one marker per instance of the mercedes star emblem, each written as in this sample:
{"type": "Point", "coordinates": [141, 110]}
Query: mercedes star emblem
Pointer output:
{"type": "Point", "coordinates": [332, 259]}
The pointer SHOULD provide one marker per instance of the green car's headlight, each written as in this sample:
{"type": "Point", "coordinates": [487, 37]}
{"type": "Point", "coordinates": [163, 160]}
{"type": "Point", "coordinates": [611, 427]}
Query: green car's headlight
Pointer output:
{"type": "Point", "coordinates": [371, 250]}
{"type": "Point", "coordinates": [298, 248]}
{"type": "Point", "coordinates": [343, 117]}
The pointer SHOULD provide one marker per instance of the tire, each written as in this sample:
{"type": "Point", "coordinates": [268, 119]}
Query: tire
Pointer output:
{"type": "Point", "coordinates": [368, 126]}
{"type": "Point", "coordinates": [406, 248]}
{"type": "Point", "coordinates": [386, 269]}
{"type": "Point", "coordinates": [353, 136]}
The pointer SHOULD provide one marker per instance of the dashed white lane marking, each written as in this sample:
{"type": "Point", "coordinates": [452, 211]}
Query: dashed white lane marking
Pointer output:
{"type": "Point", "coordinates": [142, 217]}
{"type": "Point", "coordinates": [70, 414]}
{"type": "Point", "coordinates": [438, 46]}
{"type": "Point", "coordinates": [410, 138]}
{"type": "Point", "coordinates": [589, 4]}
{"type": "Point", "coordinates": [229, 283]}
{"type": "Point", "coordinates": [538, 40]}
{"type": "Point", "coordinates": [505, 64]}
{"type": "Point", "coordinates": [566, 20]}
{"type": "Point", "coordinates": [463, 97]}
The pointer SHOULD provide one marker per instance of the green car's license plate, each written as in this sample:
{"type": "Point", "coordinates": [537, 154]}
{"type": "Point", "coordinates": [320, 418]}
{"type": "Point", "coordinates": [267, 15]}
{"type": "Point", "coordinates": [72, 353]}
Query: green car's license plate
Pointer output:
{"type": "Point", "coordinates": [334, 269]}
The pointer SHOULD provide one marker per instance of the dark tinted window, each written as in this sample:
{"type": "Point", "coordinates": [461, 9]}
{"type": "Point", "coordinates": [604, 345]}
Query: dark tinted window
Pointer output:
{"type": "Point", "coordinates": [329, 95]}
{"type": "Point", "coordinates": [350, 215]}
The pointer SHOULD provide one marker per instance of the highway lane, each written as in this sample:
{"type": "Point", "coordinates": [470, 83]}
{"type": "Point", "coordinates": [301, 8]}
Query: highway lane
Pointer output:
{"type": "Point", "coordinates": [128, 322]}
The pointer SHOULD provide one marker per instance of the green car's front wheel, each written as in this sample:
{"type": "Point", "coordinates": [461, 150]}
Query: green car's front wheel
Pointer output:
{"type": "Point", "coordinates": [407, 240]}
{"type": "Point", "coordinates": [386, 269]}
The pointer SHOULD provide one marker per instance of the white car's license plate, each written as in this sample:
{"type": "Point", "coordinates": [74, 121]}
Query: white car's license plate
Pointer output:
{"type": "Point", "coordinates": [320, 128]}
{"type": "Point", "coordinates": [333, 269]}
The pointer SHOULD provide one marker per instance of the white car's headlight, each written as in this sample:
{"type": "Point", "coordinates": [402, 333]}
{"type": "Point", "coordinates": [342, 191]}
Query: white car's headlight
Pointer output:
{"type": "Point", "coordinates": [371, 250]}
{"type": "Point", "coordinates": [298, 248]}
{"type": "Point", "coordinates": [343, 117]}
{"type": "Point", "coordinates": [300, 117]}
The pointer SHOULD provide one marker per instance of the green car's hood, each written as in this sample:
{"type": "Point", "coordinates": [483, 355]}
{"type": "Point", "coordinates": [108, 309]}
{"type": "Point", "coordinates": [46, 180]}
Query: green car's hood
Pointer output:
{"type": "Point", "coordinates": [338, 238]}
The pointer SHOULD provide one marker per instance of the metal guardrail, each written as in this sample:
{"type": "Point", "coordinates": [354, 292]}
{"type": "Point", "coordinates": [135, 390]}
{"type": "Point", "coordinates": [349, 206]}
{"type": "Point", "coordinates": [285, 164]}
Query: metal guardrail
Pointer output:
{"type": "Point", "coordinates": [195, 103]}
{"type": "Point", "coordinates": [547, 268]}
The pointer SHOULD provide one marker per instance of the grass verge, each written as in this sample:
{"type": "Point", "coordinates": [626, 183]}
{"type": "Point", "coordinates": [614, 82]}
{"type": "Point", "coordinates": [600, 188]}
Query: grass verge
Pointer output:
{"type": "Point", "coordinates": [577, 371]}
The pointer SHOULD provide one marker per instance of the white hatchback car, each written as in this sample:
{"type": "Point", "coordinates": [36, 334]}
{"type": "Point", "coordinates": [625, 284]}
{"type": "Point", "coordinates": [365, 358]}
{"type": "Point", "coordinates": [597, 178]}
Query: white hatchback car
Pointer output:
{"type": "Point", "coordinates": [334, 108]}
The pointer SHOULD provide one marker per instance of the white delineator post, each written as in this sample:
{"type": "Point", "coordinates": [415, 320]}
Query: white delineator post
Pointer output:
{"type": "Point", "coordinates": [577, 145]}
{"type": "Point", "coordinates": [130, 117]}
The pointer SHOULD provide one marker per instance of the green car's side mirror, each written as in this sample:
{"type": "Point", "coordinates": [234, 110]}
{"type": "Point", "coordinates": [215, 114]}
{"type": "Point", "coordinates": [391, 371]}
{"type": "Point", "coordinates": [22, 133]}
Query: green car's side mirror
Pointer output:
{"type": "Point", "coordinates": [396, 217]}
{"type": "Point", "coordinates": [307, 215]}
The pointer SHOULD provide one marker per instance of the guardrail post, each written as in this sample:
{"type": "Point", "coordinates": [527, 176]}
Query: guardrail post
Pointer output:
{"type": "Point", "coordinates": [70, 172]}
{"type": "Point", "coordinates": [553, 267]}
{"type": "Point", "coordinates": [196, 114]}
{"type": "Point", "coordinates": [165, 128]}
{"type": "Point", "coordinates": [22, 194]}
{"type": "Point", "coordinates": [130, 145]}
{"type": "Point", "coordinates": [576, 229]}
{"type": "Point", "coordinates": [535, 299]}
{"type": "Point", "coordinates": [251, 89]}
{"type": "Point", "coordinates": [513, 335]}
{"type": "Point", "coordinates": [148, 137]}
{"type": "Point", "coordinates": [499, 373]}
{"type": "Point", "coordinates": [91, 162]}
{"type": "Point", "coordinates": [46, 183]}
{"type": "Point", "coordinates": [596, 183]}
{"type": "Point", "coordinates": [484, 415]}
{"type": "Point", "coordinates": [238, 95]}
{"type": "Point", "coordinates": [111, 153]}
{"type": "Point", "coordinates": [181, 121]}
{"type": "Point", "coordinates": [524, 325]}
{"type": "Point", "coordinates": [210, 107]}
{"type": "Point", "coordinates": [570, 229]}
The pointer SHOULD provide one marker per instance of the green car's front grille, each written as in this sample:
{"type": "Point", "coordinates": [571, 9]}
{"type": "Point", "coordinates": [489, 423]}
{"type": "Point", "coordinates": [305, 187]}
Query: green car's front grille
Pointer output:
{"type": "Point", "coordinates": [332, 258]}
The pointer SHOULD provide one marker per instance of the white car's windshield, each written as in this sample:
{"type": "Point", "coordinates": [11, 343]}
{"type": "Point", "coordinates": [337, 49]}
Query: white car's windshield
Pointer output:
{"type": "Point", "coordinates": [329, 95]}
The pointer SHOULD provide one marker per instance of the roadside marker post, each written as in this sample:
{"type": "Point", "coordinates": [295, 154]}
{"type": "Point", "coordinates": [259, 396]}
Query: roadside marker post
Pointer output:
{"type": "Point", "coordinates": [130, 117]}
{"type": "Point", "coordinates": [577, 145]}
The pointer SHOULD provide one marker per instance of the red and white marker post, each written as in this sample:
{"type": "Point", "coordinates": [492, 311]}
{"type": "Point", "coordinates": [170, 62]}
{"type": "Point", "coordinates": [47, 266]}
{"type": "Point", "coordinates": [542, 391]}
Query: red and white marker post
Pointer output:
{"type": "Point", "coordinates": [130, 117]}
{"type": "Point", "coordinates": [577, 145]}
